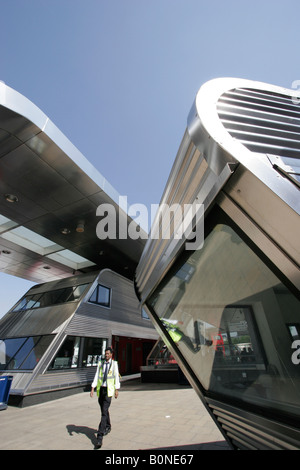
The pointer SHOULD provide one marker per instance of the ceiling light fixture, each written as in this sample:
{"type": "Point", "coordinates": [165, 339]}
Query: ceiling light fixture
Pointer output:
{"type": "Point", "coordinates": [80, 227]}
{"type": "Point", "coordinates": [65, 231]}
{"type": "Point", "coordinates": [11, 198]}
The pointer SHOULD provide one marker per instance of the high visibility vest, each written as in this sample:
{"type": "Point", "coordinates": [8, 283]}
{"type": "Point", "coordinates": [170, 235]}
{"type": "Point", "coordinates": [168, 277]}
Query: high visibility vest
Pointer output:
{"type": "Point", "coordinates": [173, 330]}
{"type": "Point", "coordinates": [175, 335]}
{"type": "Point", "coordinates": [110, 379]}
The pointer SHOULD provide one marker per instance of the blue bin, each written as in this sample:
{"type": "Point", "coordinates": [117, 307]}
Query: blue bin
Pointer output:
{"type": "Point", "coordinates": [5, 384]}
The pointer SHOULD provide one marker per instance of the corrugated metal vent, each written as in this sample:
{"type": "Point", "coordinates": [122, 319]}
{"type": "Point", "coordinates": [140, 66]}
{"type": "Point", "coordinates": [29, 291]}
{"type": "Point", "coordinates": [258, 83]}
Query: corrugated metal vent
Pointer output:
{"type": "Point", "coordinates": [264, 122]}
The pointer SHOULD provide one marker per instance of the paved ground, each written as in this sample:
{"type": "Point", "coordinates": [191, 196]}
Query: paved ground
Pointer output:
{"type": "Point", "coordinates": [145, 416]}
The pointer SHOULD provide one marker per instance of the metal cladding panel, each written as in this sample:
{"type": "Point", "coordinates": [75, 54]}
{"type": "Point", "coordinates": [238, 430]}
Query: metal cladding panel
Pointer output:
{"type": "Point", "coordinates": [60, 380]}
{"type": "Point", "coordinates": [86, 322]}
{"type": "Point", "coordinates": [94, 320]}
{"type": "Point", "coordinates": [40, 321]}
{"type": "Point", "coordinates": [20, 382]}
{"type": "Point", "coordinates": [252, 431]}
{"type": "Point", "coordinates": [133, 331]}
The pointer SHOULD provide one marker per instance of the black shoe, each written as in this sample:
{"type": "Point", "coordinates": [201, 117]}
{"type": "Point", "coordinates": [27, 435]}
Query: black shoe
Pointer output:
{"type": "Point", "coordinates": [99, 444]}
{"type": "Point", "coordinates": [107, 430]}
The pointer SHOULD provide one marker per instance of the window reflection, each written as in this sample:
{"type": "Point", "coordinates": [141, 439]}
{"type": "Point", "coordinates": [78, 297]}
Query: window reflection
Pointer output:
{"type": "Point", "coordinates": [160, 355]}
{"type": "Point", "coordinates": [23, 353]}
{"type": "Point", "coordinates": [234, 322]}
{"type": "Point", "coordinates": [67, 356]}
{"type": "Point", "coordinates": [93, 349]}
{"type": "Point", "coordinates": [78, 351]}
{"type": "Point", "coordinates": [36, 352]}
{"type": "Point", "coordinates": [101, 296]}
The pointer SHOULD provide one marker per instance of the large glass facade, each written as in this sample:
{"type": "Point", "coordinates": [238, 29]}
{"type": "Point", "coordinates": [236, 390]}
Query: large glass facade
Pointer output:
{"type": "Point", "coordinates": [233, 320]}
{"type": "Point", "coordinates": [23, 353]}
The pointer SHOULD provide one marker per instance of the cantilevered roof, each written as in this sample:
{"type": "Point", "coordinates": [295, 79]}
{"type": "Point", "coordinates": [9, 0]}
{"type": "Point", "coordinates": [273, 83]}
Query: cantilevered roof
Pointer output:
{"type": "Point", "coordinates": [47, 188]}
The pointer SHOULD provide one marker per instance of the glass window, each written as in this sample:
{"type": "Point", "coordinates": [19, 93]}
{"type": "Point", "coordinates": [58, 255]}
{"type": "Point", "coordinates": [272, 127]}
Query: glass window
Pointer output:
{"type": "Point", "coordinates": [33, 301]}
{"type": "Point", "coordinates": [21, 305]}
{"type": "Point", "coordinates": [78, 291]}
{"type": "Point", "coordinates": [8, 349]}
{"type": "Point", "coordinates": [79, 352]}
{"type": "Point", "coordinates": [68, 354]}
{"type": "Point", "coordinates": [93, 349]}
{"type": "Point", "coordinates": [101, 296]}
{"type": "Point", "coordinates": [233, 320]}
{"type": "Point", "coordinates": [37, 349]}
{"type": "Point", "coordinates": [23, 353]}
{"type": "Point", "coordinates": [145, 315]}
{"type": "Point", "coordinates": [55, 296]}
{"type": "Point", "coordinates": [45, 299]}
{"type": "Point", "coordinates": [27, 302]}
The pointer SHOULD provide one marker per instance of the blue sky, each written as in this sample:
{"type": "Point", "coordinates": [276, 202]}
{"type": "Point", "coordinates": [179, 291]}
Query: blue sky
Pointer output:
{"type": "Point", "coordinates": [118, 77]}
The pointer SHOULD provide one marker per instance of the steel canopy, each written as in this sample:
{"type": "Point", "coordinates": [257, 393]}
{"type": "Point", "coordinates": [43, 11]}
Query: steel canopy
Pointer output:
{"type": "Point", "coordinates": [48, 189]}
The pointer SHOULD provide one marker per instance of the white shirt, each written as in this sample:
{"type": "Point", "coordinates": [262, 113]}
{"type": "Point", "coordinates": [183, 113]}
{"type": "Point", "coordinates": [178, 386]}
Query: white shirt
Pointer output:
{"type": "Point", "coordinates": [115, 371]}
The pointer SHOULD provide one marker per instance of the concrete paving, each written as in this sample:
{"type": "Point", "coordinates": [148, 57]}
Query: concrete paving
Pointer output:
{"type": "Point", "coordinates": [144, 417]}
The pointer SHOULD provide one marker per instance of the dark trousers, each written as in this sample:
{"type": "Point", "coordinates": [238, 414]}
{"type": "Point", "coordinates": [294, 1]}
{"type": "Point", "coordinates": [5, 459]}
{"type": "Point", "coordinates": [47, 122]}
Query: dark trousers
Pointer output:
{"type": "Point", "coordinates": [104, 402]}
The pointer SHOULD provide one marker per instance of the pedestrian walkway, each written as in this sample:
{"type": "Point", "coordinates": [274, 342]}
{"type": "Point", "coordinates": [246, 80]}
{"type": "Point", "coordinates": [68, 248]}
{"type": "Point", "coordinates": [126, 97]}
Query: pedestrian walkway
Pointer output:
{"type": "Point", "coordinates": [144, 416]}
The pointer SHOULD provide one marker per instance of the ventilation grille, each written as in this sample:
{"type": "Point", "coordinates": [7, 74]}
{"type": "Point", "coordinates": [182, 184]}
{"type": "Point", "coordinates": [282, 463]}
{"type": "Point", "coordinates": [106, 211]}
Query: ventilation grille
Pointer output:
{"type": "Point", "coordinates": [253, 432]}
{"type": "Point", "coordinates": [264, 122]}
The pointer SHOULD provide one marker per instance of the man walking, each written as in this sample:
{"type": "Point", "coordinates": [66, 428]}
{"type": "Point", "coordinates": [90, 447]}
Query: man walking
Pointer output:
{"type": "Point", "coordinates": [108, 383]}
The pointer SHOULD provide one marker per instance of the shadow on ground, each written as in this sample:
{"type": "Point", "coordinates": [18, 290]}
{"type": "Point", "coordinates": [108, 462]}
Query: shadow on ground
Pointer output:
{"type": "Point", "coordinates": [90, 433]}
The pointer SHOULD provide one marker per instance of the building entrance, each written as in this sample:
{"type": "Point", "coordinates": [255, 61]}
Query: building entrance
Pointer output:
{"type": "Point", "coordinates": [131, 353]}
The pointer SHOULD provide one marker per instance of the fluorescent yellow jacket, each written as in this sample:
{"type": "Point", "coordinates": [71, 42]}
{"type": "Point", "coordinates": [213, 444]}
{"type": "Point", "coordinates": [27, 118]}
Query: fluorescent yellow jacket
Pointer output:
{"type": "Point", "coordinates": [112, 380]}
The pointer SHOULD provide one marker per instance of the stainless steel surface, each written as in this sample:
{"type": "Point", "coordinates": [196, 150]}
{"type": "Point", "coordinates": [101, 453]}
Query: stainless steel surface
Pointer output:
{"type": "Point", "coordinates": [254, 432]}
{"type": "Point", "coordinates": [265, 244]}
{"type": "Point", "coordinates": [191, 181]}
{"type": "Point", "coordinates": [270, 199]}
{"type": "Point", "coordinates": [246, 135]}
{"type": "Point", "coordinates": [56, 188]}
